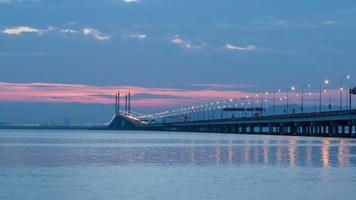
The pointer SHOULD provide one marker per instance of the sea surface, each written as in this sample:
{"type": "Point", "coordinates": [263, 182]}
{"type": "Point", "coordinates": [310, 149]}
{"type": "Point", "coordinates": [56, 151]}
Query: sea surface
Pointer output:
{"type": "Point", "coordinates": [83, 165]}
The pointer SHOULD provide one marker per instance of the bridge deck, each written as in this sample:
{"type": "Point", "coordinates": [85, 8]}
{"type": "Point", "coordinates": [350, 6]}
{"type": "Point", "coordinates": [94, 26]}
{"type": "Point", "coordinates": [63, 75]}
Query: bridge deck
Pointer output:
{"type": "Point", "coordinates": [333, 123]}
{"type": "Point", "coordinates": [299, 117]}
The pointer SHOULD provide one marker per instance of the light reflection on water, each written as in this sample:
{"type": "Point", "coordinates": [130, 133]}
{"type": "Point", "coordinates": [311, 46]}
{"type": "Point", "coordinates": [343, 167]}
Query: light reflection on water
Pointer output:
{"type": "Point", "coordinates": [180, 149]}
{"type": "Point", "coordinates": [200, 166]}
{"type": "Point", "coordinates": [325, 151]}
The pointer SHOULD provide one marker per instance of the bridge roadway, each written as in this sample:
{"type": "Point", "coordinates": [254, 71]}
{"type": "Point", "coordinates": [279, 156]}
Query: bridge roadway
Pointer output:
{"type": "Point", "coordinates": [332, 124]}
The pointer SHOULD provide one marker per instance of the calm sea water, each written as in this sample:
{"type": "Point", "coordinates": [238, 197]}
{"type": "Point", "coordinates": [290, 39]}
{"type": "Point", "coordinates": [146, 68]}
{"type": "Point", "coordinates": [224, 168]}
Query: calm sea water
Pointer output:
{"type": "Point", "coordinates": [78, 165]}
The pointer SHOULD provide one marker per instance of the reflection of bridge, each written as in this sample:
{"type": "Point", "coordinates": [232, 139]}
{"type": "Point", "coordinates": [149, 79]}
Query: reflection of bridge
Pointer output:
{"type": "Point", "coordinates": [330, 123]}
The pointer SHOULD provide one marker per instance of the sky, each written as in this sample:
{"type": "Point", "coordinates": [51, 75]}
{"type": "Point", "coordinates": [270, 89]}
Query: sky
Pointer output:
{"type": "Point", "coordinates": [69, 55]}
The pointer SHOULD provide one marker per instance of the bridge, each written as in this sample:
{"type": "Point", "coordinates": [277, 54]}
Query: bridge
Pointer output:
{"type": "Point", "coordinates": [336, 123]}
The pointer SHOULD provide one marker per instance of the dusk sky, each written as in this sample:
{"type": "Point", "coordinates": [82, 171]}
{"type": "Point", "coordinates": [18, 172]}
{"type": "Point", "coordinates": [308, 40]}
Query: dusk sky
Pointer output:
{"type": "Point", "coordinates": [166, 52]}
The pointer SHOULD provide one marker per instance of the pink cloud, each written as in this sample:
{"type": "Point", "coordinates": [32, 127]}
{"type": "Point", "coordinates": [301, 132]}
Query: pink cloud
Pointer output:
{"type": "Point", "coordinates": [80, 93]}
{"type": "Point", "coordinates": [142, 96]}
{"type": "Point", "coordinates": [221, 86]}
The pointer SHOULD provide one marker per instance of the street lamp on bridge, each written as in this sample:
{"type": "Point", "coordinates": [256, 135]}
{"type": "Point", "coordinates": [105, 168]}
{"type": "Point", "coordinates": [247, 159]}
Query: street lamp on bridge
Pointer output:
{"type": "Point", "coordinates": [289, 89]}
{"type": "Point", "coordinates": [274, 101]}
{"type": "Point", "coordinates": [352, 91]}
{"type": "Point", "coordinates": [348, 77]}
{"type": "Point", "coordinates": [328, 92]}
{"type": "Point", "coordinates": [302, 99]}
{"type": "Point", "coordinates": [263, 100]}
{"type": "Point", "coordinates": [325, 82]}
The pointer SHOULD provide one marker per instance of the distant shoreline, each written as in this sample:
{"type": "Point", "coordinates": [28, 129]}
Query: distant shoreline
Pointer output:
{"type": "Point", "coordinates": [89, 127]}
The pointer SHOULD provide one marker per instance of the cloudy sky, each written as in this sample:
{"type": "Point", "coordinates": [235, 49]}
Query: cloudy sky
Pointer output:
{"type": "Point", "coordinates": [169, 52]}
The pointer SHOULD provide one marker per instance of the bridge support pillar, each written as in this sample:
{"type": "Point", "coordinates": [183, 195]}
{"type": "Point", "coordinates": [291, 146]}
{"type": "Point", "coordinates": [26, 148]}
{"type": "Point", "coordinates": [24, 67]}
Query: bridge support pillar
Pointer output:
{"type": "Point", "coordinates": [310, 129]}
{"type": "Point", "coordinates": [243, 129]}
{"type": "Point", "coordinates": [320, 129]}
{"type": "Point", "coordinates": [306, 129]}
{"type": "Point", "coordinates": [288, 129]}
{"type": "Point", "coordinates": [211, 129]}
{"type": "Point", "coordinates": [293, 129]}
{"type": "Point", "coordinates": [298, 129]}
{"type": "Point", "coordinates": [313, 129]}
{"type": "Point", "coordinates": [232, 129]}
{"type": "Point", "coordinates": [270, 128]}
{"type": "Point", "coordinates": [316, 129]}
{"type": "Point", "coordinates": [302, 129]}
{"type": "Point", "coordinates": [329, 127]}
{"type": "Point", "coordinates": [223, 129]}
{"type": "Point", "coordinates": [343, 130]}
{"type": "Point", "coordinates": [219, 129]}
{"type": "Point", "coordinates": [228, 129]}
{"type": "Point", "coordinates": [334, 129]}
{"type": "Point", "coordinates": [282, 129]}
{"type": "Point", "coordinates": [250, 129]}
{"type": "Point", "coordinates": [352, 130]}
